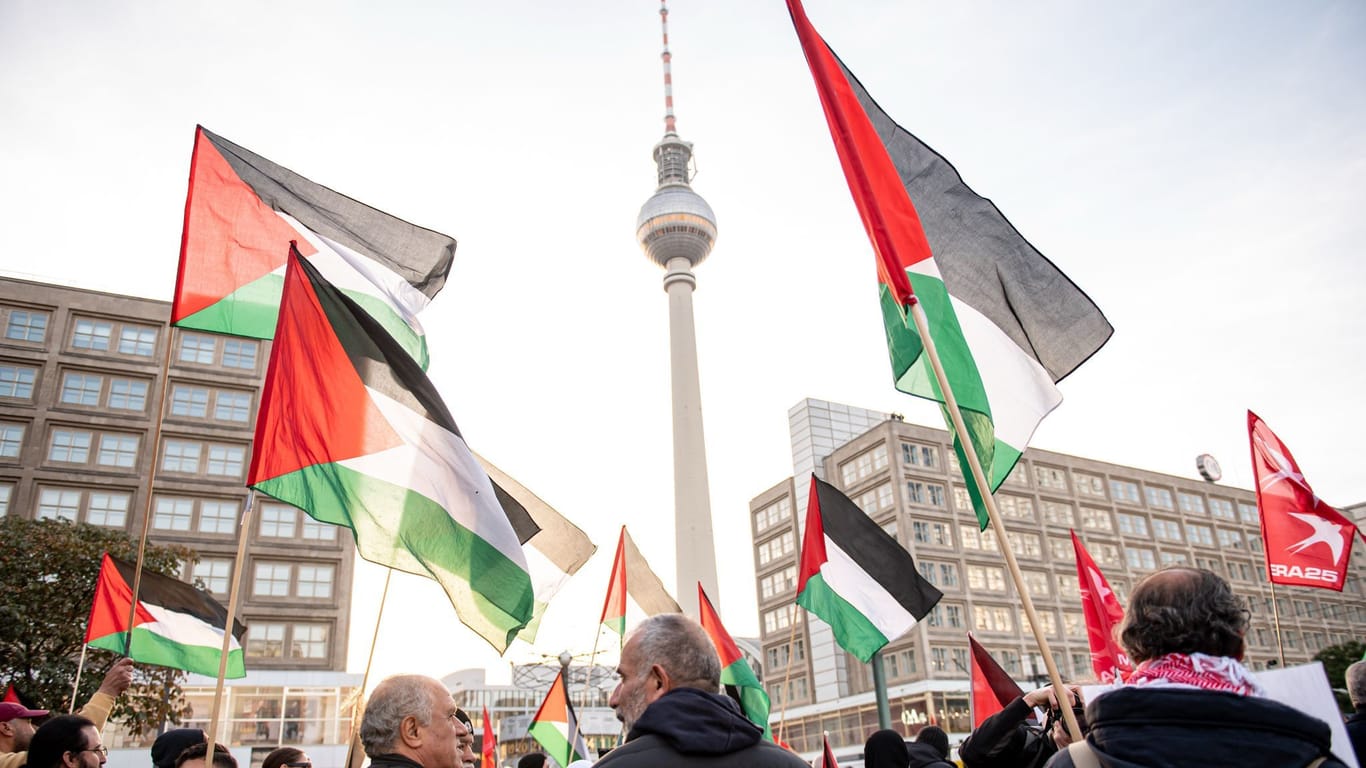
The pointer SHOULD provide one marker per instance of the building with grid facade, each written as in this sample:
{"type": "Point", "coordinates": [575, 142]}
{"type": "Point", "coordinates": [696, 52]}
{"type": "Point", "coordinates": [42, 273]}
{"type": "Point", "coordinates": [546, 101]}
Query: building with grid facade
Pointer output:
{"type": "Point", "coordinates": [83, 383]}
{"type": "Point", "coordinates": [906, 478]}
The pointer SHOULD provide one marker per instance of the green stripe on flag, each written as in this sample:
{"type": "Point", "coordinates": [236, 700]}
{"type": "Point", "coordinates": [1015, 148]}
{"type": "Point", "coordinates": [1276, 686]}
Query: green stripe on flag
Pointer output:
{"type": "Point", "coordinates": [855, 633]}
{"type": "Point", "coordinates": [550, 736]}
{"type": "Point", "coordinates": [418, 537]}
{"type": "Point", "coordinates": [151, 648]}
{"type": "Point", "coordinates": [753, 699]}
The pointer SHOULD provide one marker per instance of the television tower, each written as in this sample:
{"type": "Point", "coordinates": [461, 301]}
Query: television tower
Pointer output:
{"type": "Point", "coordinates": [676, 228]}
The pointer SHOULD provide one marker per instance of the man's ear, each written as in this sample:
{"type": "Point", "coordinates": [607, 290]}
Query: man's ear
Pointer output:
{"type": "Point", "coordinates": [7, 728]}
{"type": "Point", "coordinates": [71, 759]}
{"type": "Point", "coordinates": [662, 684]}
{"type": "Point", "coordinates": [409, 733]}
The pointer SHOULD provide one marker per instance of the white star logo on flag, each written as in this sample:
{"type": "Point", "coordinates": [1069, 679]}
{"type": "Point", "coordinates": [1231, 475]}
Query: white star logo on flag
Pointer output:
{"type": "Point", "coordinates": [1325, 532]}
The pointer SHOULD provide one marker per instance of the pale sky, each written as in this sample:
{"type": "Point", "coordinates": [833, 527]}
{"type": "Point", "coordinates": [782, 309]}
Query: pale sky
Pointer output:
{"type": "Point", "coordinates": [1197, 168]}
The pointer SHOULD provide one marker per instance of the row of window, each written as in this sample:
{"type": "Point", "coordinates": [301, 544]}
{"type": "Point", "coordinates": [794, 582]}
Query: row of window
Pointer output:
{"type": "Point", "coordinates": [269, 578]}
{"type": "Point", "coordinates": [89, 334]}
{"type": "Point", "coordinates": [121, 393]}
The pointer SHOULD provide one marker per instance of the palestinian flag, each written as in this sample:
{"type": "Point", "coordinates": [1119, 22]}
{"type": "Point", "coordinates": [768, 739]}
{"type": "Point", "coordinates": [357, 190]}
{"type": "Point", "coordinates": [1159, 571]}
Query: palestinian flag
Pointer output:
{"type": "Point", "coordinates": [992, 689]}
{"type": "Point", "coordinates": [855, 577]}
{"type": "Point", "coordinates": [827, 754]}
{"type": "Point", "coordinates": [1006, 322]}
{"type": "Point", "coordinates": [736, 675]}
{"type": "Point", "coordinates": [556, 548]}
{"type": "Point", "coordinates": [633, 578]}
{"type": "Point", "coordinates": [242, 212]}
{"type": "Point", "coordinates": [352, 432]}
{"type": "Point", "coordinates": [175, 625]}
{"type": "Point", "coordinates": [1103, 613]}
{"type": "Point", "coordinates": [556, 727]}
{"type": "Point", "coordinates": [488, 750]}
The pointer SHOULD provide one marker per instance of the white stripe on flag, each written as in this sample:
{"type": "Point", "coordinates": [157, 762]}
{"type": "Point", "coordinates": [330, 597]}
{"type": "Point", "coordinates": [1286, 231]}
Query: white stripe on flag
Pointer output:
{"type": "Point", "coordinates": [860, 590]}
{"type": "Point", "coordinates": [351, 271]}
{"type": "Point", "coordinates": [185, 629]}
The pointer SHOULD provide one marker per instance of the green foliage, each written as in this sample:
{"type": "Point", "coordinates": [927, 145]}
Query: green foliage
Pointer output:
{"type": "Point", "coordinates": [1336, 659]}
{"type": "Point", "coordinates": [48, 570]}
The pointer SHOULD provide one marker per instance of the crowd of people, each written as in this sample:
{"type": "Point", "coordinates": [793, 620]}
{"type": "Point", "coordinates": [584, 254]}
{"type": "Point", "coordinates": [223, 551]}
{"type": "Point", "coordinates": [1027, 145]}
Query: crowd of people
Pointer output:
{"type": "Point", "coordinates": [1190, 702]}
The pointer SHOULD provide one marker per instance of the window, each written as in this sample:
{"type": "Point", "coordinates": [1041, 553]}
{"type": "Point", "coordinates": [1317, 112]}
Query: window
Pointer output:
{"type": "Point", "coordinates": [1166, 530]}
{"type": "Point", "coordinates": [1073, 625]}
{"type": "Point", "coordinates": [189, 401]}
{"type": "Point", "coordinates": [1061, 551]}
{"type": "Point", "coordinates": [232, 406]}
{"type": "Point", "coordinates": [961, 499]}
{"type": "Point", "coordinates": [1248, 513]}
{"type": "Point", "coordinates": [975, 539]}
{"type": "Point", "coordinates": [1089, 485]}
{"type": "Point", "coordinates": [108, 508]}
{"type": "Point", "coordinates": [986, 577]}
{"type": "Point", "coordinates": [1161, 498]}
{"type": "Point", "coordinates": [778, 512]}
{"type": "Point", "coordinates": [1068, 584]}
{"type": "Point", "coordinates": [16, 381]}
{"type": "Point", "coordinates": [70, 446]}
{"type": "Point", "coordinates": [217, 516]}
{"type": "Point", "coordinates": [91, 334]}
{"type": "Point", "coordinates": [1174, 558]}
{"type": "Point", "coordinates": [215, 573]}
{"type": "Point", "coordinates": [876, 500]}
{"type": "Point", "coordinates": [946, 615]}
{"type": "Point", "coordinates": [226, 460]}
{"type": "Point", "coordinates": [864, 465]}
{"type": "Point", "coordinates": [240, 353]}
{"type": "Point", "coordinates": [1106, 554]}
{"type": "Point", "coordinates": [1081, 665]}
{"type": "Point", "coordinates": [266, 640]}
{"type": "Point", "coordinates": [315, 581]}
{"type": "Point", "coordinates": [81, 388]}
{"type": "Point", "coordinates": [312, 530]}
{"type": "Point", "coordinates": [26, 325]}
{"type": "Point", "coordinates": [1133, 525]}
{"type": "Point", "coordinates": [779, 584]}
{"type": "Point", "coordinates": [277, 520]}
{"type": "Point", "coordinates": [1025, 544]}
{"type": "Point", "coordinates": [59, 504]}
{"type": "Point", "coordinates": [1037, 582]}
{"type": "Point", "coordinates": [1015, 507]}
{"type": "Point", "coordinates": [172, 514]}
{"type": "Point", "coordinates": [781, 618]}
{"type": "Point", "coordinates": [127, 394]}
{"type": "Point", "coordinates": [181, 456]}
{"type": "Point", "coordinates": [1096, 519]}
{"type": "Point", "coordinates": [919, 455]}
{"type": "Point", "coordinates": [197, 348]}
{"type": "Point", "coordinates": [1124, 490]}
{"type": "Point", "coordinates": [1018, 477]}
{"type": "Point", "coordinates": [6, 493]}
{"type": "Point", "coordinates": [929, 494]}
{"type": "Point", "coordinates": [1190, 503]}
{"type": "Point", "coordinates": [993, 618]}
{"type": "Point", "coordinates": [1050, 477]}
{"type": "Point", "coordinates": [11, 439]}
{"type": "Point", "coordinates": [1048, 622]}
{"type": "Point", "coordinates": [1221, 508]}
{"type": "Point", "coordinates": [310, 642]}
{"type": "Point", "coordinates": [138, 340]}
{"type": "Point", "coordinates": [1058, 513]}
{"type": "Point", "coordinates": [1138, 557]}
{"type": "Point", "coordinates": [948, 575]}
{"type": "Point", "coordinates": [1230, 539]}
{"type": "Point", "coordinates": [777, 547]}
{"type": "Point", "coordinates": [272, 580]}
{"type": "Point", "coordinates": [1200, 534]}
{"type": "Point", "coordinates": [118, 450]}
{"type": "Point", "coordinates": [931, 533]}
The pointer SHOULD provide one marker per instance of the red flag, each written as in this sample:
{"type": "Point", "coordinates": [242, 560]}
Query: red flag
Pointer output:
{"type": "Point", "coordinates": [1307, 542]}
{"type": "Point", "coordinates": [11, 695]}
{"type": "Point", "coordinates": [1103, 614]}
{"type": "Point", "coordinates": [489, 752]}
{"type": "Point", "coordinates": [614, 607]}
{"type": "Point", "coordinates": [827, 754]}
{"type": "Point", "coordinates": [992, 688]}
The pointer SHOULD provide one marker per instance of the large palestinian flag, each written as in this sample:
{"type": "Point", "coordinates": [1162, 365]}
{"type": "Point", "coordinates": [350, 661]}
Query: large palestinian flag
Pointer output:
{"type": "Point", "coordinates": [352, 431]}
{"type": "Point", "coordinates": [175, 625]}
{"type": "Point", "coordinates": [737, 677]}
{"type": "Point", "coordinates": [633, 578]}
{"type": "Point", "coordinates": [241, 213]}
{"type": "Point", "coordinates": [556, 727]}
{"type": "Point", "coordinates": [1006, 322]}
{"type": "Point", "coordinates": [855, 577]}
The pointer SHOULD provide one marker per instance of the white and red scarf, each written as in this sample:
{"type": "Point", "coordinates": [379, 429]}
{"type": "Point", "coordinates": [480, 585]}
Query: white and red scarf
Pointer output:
{"type": "Point", "coordinates": [1196, 670]}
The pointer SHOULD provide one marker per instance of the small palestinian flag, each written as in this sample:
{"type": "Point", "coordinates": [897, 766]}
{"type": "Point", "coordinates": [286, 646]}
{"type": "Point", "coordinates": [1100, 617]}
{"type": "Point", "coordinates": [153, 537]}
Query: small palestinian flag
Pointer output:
{"type": "Point", "coordinates": [241, 213]}
{"type": "Point", "coordinates": [175, 626]}
{"type": "Point", "coordinates": [827, 754]}
{"type": "Point", "coordinates": [488, 751]}
{"type": "Point", "coordinates": [736, 675]}
{"type": "Point", "coordinates": [992, 688]}
{"type": "Point", "coordinates": [633, 578]}
{"type": "Point", "coordinates": [856, 577]}
{"type": "Point", "coordinates": [1006, 322]}
{"type": "Point", "coordinates": [556, 727]}
{"type": "Point", "coordinates": [353, 432]}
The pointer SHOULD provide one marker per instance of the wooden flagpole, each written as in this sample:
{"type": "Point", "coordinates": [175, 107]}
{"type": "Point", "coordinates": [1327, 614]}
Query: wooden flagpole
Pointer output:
{"type": "Point", "coordinates": [979, 477]}
{"type": "Point", "coordinates": [243, 533]}
{"type": "Point", "coordinates": [1276, 615]}
{"type": "Point", "coordinates": [151, 484]}
{"type": "Point", "coordinates": [76, 685]}
{"type": "Point", "coordinates": [354, 753]}
{"type": "Point", "coordinates": [787, 678]}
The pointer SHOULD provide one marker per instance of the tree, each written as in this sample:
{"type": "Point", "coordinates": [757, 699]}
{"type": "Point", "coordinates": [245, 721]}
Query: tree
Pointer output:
{"type": "Point", "coordinates": [1336, 659]}
{"type": "Point", "coordinates": [48, 570]}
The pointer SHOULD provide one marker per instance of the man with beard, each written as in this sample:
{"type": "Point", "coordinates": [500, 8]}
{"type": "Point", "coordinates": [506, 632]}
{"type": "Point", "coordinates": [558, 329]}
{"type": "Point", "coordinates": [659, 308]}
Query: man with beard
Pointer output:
{"type": "Point", "coordinates": [668, 700]}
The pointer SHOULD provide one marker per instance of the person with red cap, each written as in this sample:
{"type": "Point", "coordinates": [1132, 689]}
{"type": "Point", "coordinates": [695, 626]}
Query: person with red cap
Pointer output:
{"type": "Point", "coordinates": [16, 720]}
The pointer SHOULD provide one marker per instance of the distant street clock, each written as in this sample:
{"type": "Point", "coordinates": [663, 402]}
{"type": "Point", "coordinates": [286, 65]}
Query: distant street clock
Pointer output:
{"type": "Point", "coordinates": [1209, 468]}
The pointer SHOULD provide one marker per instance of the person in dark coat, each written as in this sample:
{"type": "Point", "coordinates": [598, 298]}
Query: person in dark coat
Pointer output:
{"type": "Point", "coordinates": [1012, 739]}
{"type": "Point", "coordinates": [410, 722]}
{"type": "Point", "coordinates": [668, 699]}
{"type": "Point", "coordinates": [1189, 700]}
{"type": "Point", "coordinates": [1356, 722]}
{"type": "Point", "coordinates": [886, 749]}
{"type": "Point", "coordinates": [930, 749]}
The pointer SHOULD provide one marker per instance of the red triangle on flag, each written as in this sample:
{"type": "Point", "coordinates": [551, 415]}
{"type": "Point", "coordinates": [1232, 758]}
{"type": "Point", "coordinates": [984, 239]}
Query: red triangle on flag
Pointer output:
{"type": "Point", "coordinates": [614, 607]}
{"type": "Point", "coordinates": [992, 687]}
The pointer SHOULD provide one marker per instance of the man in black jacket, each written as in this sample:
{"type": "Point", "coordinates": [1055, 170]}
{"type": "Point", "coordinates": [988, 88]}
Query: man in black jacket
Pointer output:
{"type": "Point", "coordinates": [410, 722]}
{"type": "Point", "coordinates": [1008, 739]}
{"type": "Point", "coordinates": [667, 699]}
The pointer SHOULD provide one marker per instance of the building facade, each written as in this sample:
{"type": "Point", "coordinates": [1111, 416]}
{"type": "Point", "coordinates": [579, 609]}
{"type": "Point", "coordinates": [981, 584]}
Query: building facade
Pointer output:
{"type": "Point", "coordinates": [85, 385]}
{"type": "Point", "coordinates": [906, 478]}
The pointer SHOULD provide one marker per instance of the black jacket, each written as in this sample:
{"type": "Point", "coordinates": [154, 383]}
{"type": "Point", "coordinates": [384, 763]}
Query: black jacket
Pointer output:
{"type": "Point", "coordinates": [925, 756]}
{"type": "Point", "coordinates": [1356, 731]}
{"type": "Point", "coordinates": [1171, 727]}
{"type": "Point", "coordinates": [1005, 740]}
{"type": "Point", "coordinates": [687, 727]}
{"type": "Point", "coordinates": [393, 761]}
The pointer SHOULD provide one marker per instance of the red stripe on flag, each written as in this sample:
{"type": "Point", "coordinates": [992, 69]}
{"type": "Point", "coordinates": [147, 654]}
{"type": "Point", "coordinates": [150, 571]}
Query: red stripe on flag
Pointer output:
{"type": "Point", "coordinates": [614, 606]}
{"type": "Point", "coordinates": [813, 539]}
{"type": "Point", "coordinates": [720, 638]}
{"type": "Point", "coordinates": [109, 610]}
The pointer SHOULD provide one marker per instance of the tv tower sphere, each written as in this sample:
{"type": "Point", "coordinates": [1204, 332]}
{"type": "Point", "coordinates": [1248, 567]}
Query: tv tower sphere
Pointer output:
{"type": "Point", "coordinates": [675, 222]}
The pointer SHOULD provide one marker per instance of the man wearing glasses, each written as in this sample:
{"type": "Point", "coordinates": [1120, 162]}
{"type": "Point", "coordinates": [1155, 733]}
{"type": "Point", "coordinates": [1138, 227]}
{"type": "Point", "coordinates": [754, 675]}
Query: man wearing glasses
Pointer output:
{"type": "Point", "coordinates": [411, 721]}
{"type": "Point", "coordinates": [17, 729]}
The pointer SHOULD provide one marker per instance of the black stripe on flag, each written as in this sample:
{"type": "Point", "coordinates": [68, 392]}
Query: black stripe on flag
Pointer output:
{"type": "Point", "coordinates": [177, 596]}
{"type": "Point", "coordinates": [419, 255]}
{"type": "Point", "coordinates": [874, 551]}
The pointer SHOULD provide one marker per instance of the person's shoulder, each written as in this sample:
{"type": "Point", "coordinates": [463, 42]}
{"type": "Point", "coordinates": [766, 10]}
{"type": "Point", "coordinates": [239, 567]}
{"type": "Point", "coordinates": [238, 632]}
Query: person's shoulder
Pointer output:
{"type": "Point", "coordinates": [635, 751]}
{"type": "Point", "coordinates": [766, 753]}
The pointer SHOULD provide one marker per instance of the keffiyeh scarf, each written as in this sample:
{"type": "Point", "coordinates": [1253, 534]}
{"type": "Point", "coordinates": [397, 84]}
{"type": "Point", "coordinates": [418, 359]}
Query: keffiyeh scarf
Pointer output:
{"type": "Point", "coordinates": [1196, 670]}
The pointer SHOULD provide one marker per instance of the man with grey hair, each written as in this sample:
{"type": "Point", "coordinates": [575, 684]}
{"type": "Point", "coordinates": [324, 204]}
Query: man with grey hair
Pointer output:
{"type": "Point", "coordinates": [667, 698]}
{"type": "Point", "coordinates": [1356, 722]}
{"type": "Point", "coordinates": [410, 721]}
